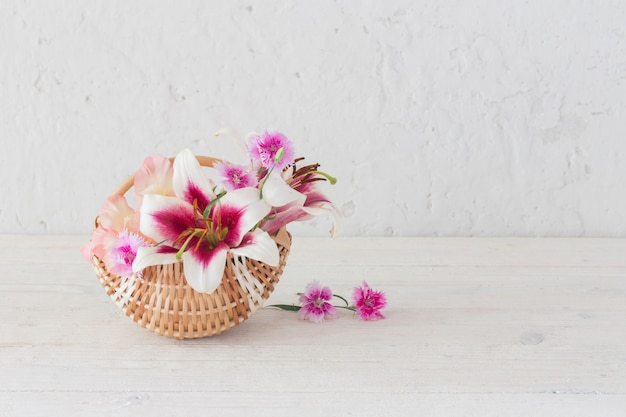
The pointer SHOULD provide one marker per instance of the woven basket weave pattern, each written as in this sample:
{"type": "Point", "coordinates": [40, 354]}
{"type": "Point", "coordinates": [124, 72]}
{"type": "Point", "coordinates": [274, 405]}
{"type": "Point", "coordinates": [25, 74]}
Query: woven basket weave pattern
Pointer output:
{"type": "Point", "coordinates": [163, 302]}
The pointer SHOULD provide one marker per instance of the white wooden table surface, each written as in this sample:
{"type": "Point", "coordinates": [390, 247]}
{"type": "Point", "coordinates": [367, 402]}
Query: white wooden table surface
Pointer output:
{"type": "Point", "coordinates": [475, 327]}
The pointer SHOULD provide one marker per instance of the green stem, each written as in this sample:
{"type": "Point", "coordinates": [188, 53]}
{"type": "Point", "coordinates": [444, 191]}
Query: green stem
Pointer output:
{"type": "Point", "coordinates": [263, 183]}
{"type": "Point", "coordinates": [341, 298]}
{"type": "Point", "coordinates": [288, 307]}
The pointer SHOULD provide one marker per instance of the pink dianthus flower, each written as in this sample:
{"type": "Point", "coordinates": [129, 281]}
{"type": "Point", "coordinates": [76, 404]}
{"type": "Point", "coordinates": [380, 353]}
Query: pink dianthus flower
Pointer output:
{"type": "Point", "coordinates": [368, 302]}
{"type": "Point", "coordinates": [264, 148]}
{"type": "Point", "coordinates": [122, 251]}
{"type": "Point", "coordinates": [316, 304]}
{"type": "Point", "coordinates": [235, 176]}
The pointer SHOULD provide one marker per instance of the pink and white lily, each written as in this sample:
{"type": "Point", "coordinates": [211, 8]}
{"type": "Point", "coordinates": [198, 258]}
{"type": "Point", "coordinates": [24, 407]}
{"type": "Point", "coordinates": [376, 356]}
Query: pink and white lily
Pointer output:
{"type": "Point", "coordinates": [201, 228]}
{"type": "Point", "coordinates": [303, 182]}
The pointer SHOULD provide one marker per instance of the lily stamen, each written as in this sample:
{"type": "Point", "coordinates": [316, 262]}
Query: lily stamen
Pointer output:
{"type": "Point", "coordinates": [203, 236]}
{"type": "Point", "coordinates": [182, 249]}
{"type": "Point", "coordinates": [330, 178]}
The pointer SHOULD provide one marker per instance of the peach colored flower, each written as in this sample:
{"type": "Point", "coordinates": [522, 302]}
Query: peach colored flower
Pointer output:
{"type": "Point", "coordinates": [154, 177]}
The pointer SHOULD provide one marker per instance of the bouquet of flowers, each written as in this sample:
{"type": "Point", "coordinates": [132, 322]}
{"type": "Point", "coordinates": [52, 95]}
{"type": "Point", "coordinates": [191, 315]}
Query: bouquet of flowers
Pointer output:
{"type": "Point", "coordinates": [197, 218]}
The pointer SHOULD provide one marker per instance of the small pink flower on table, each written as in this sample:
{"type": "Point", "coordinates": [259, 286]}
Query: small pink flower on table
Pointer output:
{"type": "Point", "coordinates": [316, 304]}
{"type": "Point", "coordinates": [368, 302]}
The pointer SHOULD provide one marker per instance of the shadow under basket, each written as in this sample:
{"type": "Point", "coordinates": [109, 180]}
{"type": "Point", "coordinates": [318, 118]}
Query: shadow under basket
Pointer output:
{"type": "Point", "coordinates": [163, 302]}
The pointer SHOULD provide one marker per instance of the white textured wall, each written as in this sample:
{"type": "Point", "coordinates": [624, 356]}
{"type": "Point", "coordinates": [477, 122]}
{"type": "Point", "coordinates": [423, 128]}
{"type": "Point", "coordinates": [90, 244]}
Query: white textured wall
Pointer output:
{"type": "Point", "coordinates": [438, 118]}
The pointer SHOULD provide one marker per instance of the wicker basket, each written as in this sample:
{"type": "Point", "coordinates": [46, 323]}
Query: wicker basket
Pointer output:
{"type": "Point", "coordinates": [164, 303]}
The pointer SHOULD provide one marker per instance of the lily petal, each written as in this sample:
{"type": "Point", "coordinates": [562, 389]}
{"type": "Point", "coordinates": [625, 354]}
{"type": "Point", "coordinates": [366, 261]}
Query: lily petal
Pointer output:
{"type": "Point", "coordinates": [189, 181]}
{"type": "Point", "coordinates": [240, 211]}
{"type": "Point", "coordinates": [153, 255]}
{"type": "Point", "coordinates": [164, 217]}
{"type": "Point", "coordinates": [260, 246]}
{"type": "Point", "coordinates": [205, 275]}
{"type": "Point", "coordinates": [327, 209]}
{"type": "Point", "coordinates": [315, 198]}
{"type": "Point", "coordinates": [284, 216]}
{"type": "Point", "coordinates": [276, 192]}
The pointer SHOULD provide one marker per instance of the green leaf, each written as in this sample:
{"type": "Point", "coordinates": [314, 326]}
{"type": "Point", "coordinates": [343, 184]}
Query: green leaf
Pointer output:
{"type": "Point", "coordinates": [208, 208]}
